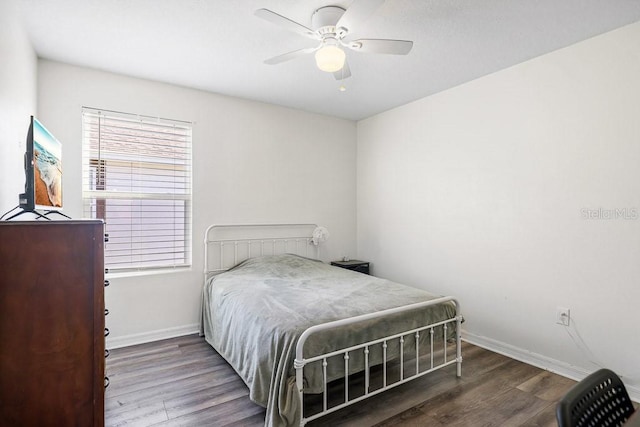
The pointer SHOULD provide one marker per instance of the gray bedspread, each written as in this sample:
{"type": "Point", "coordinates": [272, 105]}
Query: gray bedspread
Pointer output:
{"type": "Point", "coordinates": [254, 313]}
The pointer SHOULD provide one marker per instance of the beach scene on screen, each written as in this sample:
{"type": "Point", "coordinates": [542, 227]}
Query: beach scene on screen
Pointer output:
{"type": "Point", "coordinates": [47, 160]}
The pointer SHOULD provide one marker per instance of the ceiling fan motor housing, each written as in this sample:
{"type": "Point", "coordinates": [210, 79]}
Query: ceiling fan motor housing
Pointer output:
{"type": "Point", "coordinates": [324, 20]}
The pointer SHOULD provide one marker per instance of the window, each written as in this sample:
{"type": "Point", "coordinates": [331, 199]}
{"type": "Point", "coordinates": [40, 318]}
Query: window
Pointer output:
{"type": "Point", "coordinates": [137, 178]}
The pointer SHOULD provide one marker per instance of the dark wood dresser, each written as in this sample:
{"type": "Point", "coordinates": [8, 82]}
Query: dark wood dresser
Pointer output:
{"type": "Point", "coordinates": [52, 328]}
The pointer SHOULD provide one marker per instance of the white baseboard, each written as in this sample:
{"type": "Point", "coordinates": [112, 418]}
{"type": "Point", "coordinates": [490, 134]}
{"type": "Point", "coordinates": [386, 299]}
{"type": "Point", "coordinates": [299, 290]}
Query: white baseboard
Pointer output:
{"type": "Point", "coordinates": [576, 373]}
{"type": "Point", "coordinates": [145, 337]}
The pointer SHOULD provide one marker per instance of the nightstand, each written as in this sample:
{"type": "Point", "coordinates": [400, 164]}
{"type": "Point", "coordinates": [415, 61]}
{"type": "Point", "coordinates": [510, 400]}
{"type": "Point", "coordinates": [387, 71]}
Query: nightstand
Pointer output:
{"type": "Point", "coordinates": [354, 264]}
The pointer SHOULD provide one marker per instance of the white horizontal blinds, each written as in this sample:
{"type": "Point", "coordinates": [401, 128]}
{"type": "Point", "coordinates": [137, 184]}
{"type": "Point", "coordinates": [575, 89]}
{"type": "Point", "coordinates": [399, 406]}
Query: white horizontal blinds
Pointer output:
{"type": "Point", "coordinates": [137, 177]}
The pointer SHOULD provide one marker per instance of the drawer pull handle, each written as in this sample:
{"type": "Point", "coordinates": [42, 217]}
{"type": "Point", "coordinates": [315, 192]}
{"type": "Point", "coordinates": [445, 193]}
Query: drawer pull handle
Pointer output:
{"type": "Point", "coordinates": [106, 237]}
{"type": "Point", "coordinates": [106, 353]}
{"type": "Point", "coordinates": [106, 382]}
{"type": "Point", "coordinates": [106, 283]}
{"type": "Point", "coordinates": [106, 332]}
{"type": "Point", "coordinates": [106, 311]}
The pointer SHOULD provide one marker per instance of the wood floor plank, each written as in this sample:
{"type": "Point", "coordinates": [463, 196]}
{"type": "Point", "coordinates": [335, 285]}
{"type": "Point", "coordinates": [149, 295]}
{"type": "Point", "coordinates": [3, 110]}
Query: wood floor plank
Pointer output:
{"type": "Point", "coordinates": [166, 379]}
{"type": "Point", "coordinates": [218, 415]}
{"type": "Point", "coordinates": [413, 417]}
{"type": "Point", "coordinates": [547, 386]}
{"type": "Point", "coordinates": [489, 398]}
{"type": "Point", "coordinates": [203, 399]}
{"type": "Point", "coordinates": [544, 418]}
{"type": "Point", "coordinates": [146, 414]}
{"type": "Point", "coordinates": [390, 403]}
{"type": "Point", "coordinates": [171, 390]}
{"type": "Point", "coordinates": [184, 382]}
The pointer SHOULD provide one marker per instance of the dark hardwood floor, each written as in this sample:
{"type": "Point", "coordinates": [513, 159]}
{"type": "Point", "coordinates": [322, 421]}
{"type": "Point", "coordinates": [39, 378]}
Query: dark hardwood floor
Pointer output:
{"type": "Point", "coordinates": [184, 382]}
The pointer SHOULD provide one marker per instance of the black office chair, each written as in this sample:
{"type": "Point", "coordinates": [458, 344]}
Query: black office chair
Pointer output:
{"type": "Point", "coordinates": [598, 400]}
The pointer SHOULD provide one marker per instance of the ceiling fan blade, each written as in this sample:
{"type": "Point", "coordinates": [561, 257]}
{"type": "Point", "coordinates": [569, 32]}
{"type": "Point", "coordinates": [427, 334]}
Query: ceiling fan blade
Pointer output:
{"type": "Point", "coordinates": [286, 23]}
{"type": "Point", "coordinates": [393, 47]}
{"type": "Point", "coordinates": [290, 55]}
{"type": "Point", "coordinates": [343, 73]}
{"type": "Point", "coordinates": [358, 12]}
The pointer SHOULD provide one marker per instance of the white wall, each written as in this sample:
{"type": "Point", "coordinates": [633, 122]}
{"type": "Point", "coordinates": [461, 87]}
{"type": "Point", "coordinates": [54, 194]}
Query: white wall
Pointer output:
{"type": "Point", "coordinates": [252, 162]}
{"type": "Point", "coordinates": [479, 192]}
{"type": "Point", "coordinates": [18, 71]}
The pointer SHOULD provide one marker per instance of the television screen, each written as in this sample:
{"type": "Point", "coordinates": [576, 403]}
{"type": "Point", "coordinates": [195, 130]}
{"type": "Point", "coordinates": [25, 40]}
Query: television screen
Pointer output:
{"type": "Point", "coordinates": [47, 173]}
{"type": "Point", "coordinates": [43, 170]}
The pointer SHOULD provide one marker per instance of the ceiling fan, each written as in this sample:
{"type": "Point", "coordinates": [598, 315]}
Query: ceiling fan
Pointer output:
{"type": "Point", "coordinates": [331, 26]}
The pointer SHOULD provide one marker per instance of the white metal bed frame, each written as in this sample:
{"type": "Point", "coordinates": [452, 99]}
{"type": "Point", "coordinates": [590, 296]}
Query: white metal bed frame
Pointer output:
{"type": "Point", "coordinates": [227, 245]}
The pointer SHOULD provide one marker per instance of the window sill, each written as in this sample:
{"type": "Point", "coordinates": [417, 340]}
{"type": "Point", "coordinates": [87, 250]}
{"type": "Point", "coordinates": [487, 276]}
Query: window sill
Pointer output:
{"type": "Point", "coordinates": [150, 272]}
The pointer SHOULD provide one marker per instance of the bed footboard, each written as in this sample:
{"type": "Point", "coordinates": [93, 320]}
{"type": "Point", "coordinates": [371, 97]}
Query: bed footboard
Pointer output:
{"type": "Point", "coordinates": [418, 361]}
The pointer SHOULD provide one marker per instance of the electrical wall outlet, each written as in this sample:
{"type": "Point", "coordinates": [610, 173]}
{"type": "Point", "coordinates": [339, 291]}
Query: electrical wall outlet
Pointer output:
{"type": "Point", "coordinates": [563, 316]}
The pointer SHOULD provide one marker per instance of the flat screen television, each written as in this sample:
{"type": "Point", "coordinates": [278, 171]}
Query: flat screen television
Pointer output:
{"type": "Point", "coordinates": [43, 170]}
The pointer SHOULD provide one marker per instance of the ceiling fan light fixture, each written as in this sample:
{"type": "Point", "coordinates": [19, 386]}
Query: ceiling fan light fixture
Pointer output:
{"type": "Point", "coordinates": [330, 58]}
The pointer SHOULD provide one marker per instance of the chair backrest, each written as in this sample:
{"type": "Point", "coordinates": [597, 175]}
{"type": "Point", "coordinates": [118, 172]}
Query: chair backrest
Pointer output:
{"type": "Point", "coordinates": [598, 400]}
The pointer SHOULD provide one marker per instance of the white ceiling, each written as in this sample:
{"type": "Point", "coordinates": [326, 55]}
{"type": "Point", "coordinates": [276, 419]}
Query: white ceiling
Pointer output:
{"type": "Point", "coordinates": [220, 46]}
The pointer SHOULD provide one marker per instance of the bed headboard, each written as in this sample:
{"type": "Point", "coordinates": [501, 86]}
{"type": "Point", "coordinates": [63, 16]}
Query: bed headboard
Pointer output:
{"type": "Point", "coordinates": [227, 245]}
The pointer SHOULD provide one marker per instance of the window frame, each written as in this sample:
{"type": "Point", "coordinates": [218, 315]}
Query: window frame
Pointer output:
{"type": "Point", "coordinates": [96, 194]}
